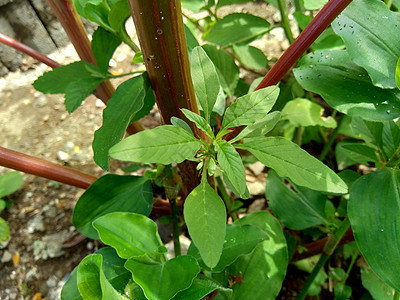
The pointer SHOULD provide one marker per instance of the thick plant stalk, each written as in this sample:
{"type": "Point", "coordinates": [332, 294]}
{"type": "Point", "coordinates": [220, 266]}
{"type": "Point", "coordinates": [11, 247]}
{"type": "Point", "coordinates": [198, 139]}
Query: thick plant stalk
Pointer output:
{"type": "Point", "coordinates": [28, 50]}
{"type": "Point", "coordinates": [159, 26]}
{"type": "Point", "coordinates": [36, 166]}
{"type": "Point", "coordinates": [72, 24]}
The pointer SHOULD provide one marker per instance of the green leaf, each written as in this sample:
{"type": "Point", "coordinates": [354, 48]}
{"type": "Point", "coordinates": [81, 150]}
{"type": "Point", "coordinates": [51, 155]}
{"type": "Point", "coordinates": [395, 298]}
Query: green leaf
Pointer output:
{"type": "Point", "coordinates": [199, 121]}
{"type": "Point", "coordinates": [314, 4]}
{"type": "Point", "coordinates": [240, 240]}
{"type": "Point", "coordinates": [231, 164]}
{"type": "Point", "coordinates": [397, 75]}
{"type": "Point", "coordinates": [369, 131]}
{"type": "Point", "coordinates": [2, 204]}
{"type": "Point", "coordinates": [164, 145]}
{"type": "Point", "coordinates": [95, 11]}
{"type": "Point", "coordinates": [263, 271]}
{"type": "Point", "coordinates": [4, 230]}
{"type": "Point", "coordinates": [375, 286]}
{"type": "Point", "coordinates": [111, 193]}
{"type": "Point", "coordinates": [92, 283]}
{"type": "Point", "coordinates": [205, 217]}
{"type": "Point", "coordinates": [390, 138]}
{"type": "Point", "coordinates": [10, 182]}
{"type": "Point", "coordinates": [357, 96]}
{"type": "Point", "coordinates": [190, 39]}
{"type": "Point", "coordinates": [364, 27]}
{"type": "Point", "coordinates": [259, 128]}
{"type": "Point", "coordinates": [328, 39]}
{"type": "Point", "coordinates": [250, 108]}
{"type": "Point", "coordinates": [228, 71]}
{"type": "Point", "coordinates": [70, 289]}
{"type": "Point", "coordinates": [298, 209]}
{"type": "Point", "coordinates": [374, 213]}
{"type": "Point", "coordinates": [132, 235]}
{"type": "Point", "coordinates": [77, 91]}
{"type": "Point", "coordinates": [236, 28]}
{"type": "Point", "coordinates": [182, 124]}
{"type": "Point", "coordinates": [349, 153]}
{"type": "Point", "coordinates": [250, 56]}
{"type": "Point", "coordinates": [289, 160]}
{"type": "Point", "coordinates": [149, 100]}
{"type": "Point", "coordinates": [122, 106]}
{"type": "Point", "coordinates": [205, 80]}
{"type": "Point", "coordinates": [193, 5]}
{"type": "Point", "coordinates": [303, 112]}
{"type": "Point", "coordinates": [200, 288]}
{"type": "Point", "coordinates": [104, 44]}
{"type": "Point", "coordinates": [138, 58]}
{"type": "Point", "coordinates": [164, 281]}
{"type": "Point", "coordinates": [118, 14]}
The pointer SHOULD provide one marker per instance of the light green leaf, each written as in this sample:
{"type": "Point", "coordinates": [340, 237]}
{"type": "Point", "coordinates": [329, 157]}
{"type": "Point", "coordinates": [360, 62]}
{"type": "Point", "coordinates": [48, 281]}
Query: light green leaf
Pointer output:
{"type": "Point", "coordinates": [303, 112]}
{"type": "Point", "coordinates": [397, 75]}
{"type": "Point", "coordinates": [164, 281]}
{"type": "Point", "coordinates": [289, 160]}
{"type": "Point", "coordinates": [111, 193]}
{"type": "Point", "coordinates": [236, 28]}
{"type": "Point", "coordinates": [357, 95]}
{"type": "Point", "coordinates": [2, 204]}
{"type": "Point", "coordinates": [240, 240]}
{"type": "Point", "coordinates": [193, 5]}
{"type": "Point", "coordinates": [127, 100]}
{"type": "Point", "coordinates": [250, 56]}
{"type": "Point", "coordinates": [70, 289]}
{"type": "Point", "coordinates": [259, 128]}
{"type": "Point", "coordinates": [4, 230]}
{"type": "Point", "coordinates": [263, 271]}
{"type": "Point", "coordinates": [205, 217]}
{"type": "Point", "coordinates": [314, 4]}
{"type": "Point", "coordinates": [374, 213]}
{"type": "Point", "coordinates": [375, 286]}
{"type": "Point", "coordinates": [104, 44]}
{"type": "Point", "coordinates": [118, 15]}
{"type": "Point", "coordinates": [201, 288]}
{"type": "Point", "coordinates": [91, 281]}
{"type": "Point", "coordinates": [328, 39]}
{"type": "Point", "coordinates": [367, 28]}
{"type": "Point", "coordinates": [205, 80]}
{"type": "Point", "coordinates": [349, 153]}
{"type": "Point", "coordinates": [231, 164]}
{"type": "Point", "coordinates": [297, 210]}
{"type": "Point", "coordinates": [228, 71]}
{"type": "Point", "coordinates": [190, 39]}
{"type": "Point", "coordinates": [250, 108]}
{"type": "Point", "coordinates": [164, 145]}
{"type": "Point", "coordinates": [138, 58]}
{"type": "Point", "coordinates": [229, 2]}
{"type": "Point", "coordinates": [132, 235]}
{"type": "Point", "coordinates": [182, 124]}
{"type": "Point", "coordinates": [10, 182]}
{"type": "Point", "coordinates": [199, 121]}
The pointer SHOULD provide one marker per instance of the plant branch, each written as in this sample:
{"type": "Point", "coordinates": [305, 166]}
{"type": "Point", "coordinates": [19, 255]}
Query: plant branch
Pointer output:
{"type": "Point", "coordinates": [28, 50]}
{"type": "Point", "coordinates": [39, 167]}
{"type": "Point", "coordinates": [285, 21]}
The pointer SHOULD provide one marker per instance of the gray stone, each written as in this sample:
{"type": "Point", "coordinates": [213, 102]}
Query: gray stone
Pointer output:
{"type": "Point", "coordinates": [256, 168]}
{"type": "Point", "coordinates": [63, 156]}
{"type": "Point", "coordinates": [7, 257]}
{"type": "Point", "coordinates": [35, 224]}
{"type": "Point", "coordinates": [50, 246]}
{"type": "Point", "coordinates": [256, 188]}
{"type": "Point", "coordinates": [257, 205]}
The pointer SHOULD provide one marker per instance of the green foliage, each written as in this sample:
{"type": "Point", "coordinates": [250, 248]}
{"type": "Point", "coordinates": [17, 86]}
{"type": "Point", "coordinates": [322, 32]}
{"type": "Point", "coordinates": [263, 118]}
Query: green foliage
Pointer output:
{"type": "Point", "coordinates": [377, 288]}
{"type": "Point", "coordinates": [357, 95]}
{"type": "Point", "coordinates": [298, 209]}
{"type": "Point", "coordinates": [201, 288]}
{"type": "Point", "coordinates": [349, 153]}
{"type": "Point", "coordinates": [374, 212]}
{"type": "Point", "coordinates": [4, 231]}
{"type": "Point", "coordinates": [199, 121]}
{"type": "Point", "coordinates": [111, 193]}
{"type": "Point", "coordinates": [10, 182]}
{"type": "Point", "coordinates": [103, 47]}
{"type": "Point", "coordinates": [300, 167]}
{"type": "Point", "coordinates": [129, 96]}
{"type": "Point", "coordinates": [250, 56]}
{"type": "Point", "coordinates": [205, 217]}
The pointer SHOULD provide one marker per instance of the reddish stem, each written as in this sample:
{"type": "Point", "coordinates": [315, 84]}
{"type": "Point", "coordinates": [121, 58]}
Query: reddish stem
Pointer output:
{"type": "Point", "coordinates": [28, 50]}
{"type": "Point", "coordinates": [318, 246]}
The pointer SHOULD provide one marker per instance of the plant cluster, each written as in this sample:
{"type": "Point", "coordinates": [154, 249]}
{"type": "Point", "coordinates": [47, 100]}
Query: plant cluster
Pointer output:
{"type": "Point", "coordinates": [344, 87]}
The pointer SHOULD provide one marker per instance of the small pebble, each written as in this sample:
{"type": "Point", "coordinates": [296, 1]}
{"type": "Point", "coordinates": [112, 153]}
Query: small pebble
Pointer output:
{"type": "Point", "coordinates": [7, 257]}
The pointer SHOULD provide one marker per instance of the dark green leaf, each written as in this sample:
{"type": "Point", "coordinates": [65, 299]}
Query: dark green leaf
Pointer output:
{"type": "Point", "coordinates": [10, 182]}
{"type": "Point", "coordinates": [104, 44]}
{"type": "Point", "coordinates": [164, 145]}
{"type": "Point", "coordinates": [357, 96]}
{"type": "Point", "coordinates": [199, 289]}
{"type": "Point", "coordinates": [118, 14]}
{"type": "Point", "coordinates": [228, 71]}
{"type": "Point", "coordinates": [111, 193]}
{"type": "Point", "coordinates": [236, 28]}
{"type": "Point", "coordinates": [164, 281]}
{"type": "Point", "coordinates": [70, 289]}
{"type": "Point", "coordinates": [240, 240]}
{"type": "Point", "coordinates": [205, 80]}
{"type": "Point", "coordinates": [77, 91]}
{"type": "Point", "coordinates": [132, 235]}
{"type": "Point", "coordinates": [377, 288]}
{"type": "Point", "coordinates": [121, 108]}
{"type": "Point", "coordinates": [261, 272]}
{"type": "Point", "coordinates": [199, 121]}
{"type": "Point", "coordinates": [231, 164]}
{"type": "Point", "coordinates": [191, 39]}
{"type": "Point", "coordinates": [349, 153]}
{"type": "Point", "coordinates": [250, 56]}
{"type": "Point", "coordinates": [369, 30]}
{"type": "Point", "coordinates": [182, 124]}
{"type": "Point", "coordinates": [149, 100]}
{"type": "Point", "coordinates": [297, 210]}
{"type": "Point", "coordinates": [374, 213]}
{"type": "Point", "coordinates": [369, 131]}
{"type": "Point", "coordinates": [205, 217]}
{"type": "Point", "coordinates": [390, 138]}
{"type": "Point", "coordinates": [229, 2]}
{"type": "Point", "coordinates": [328, 39]}
{"type": "Point", "coordinates": [289, 160]}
